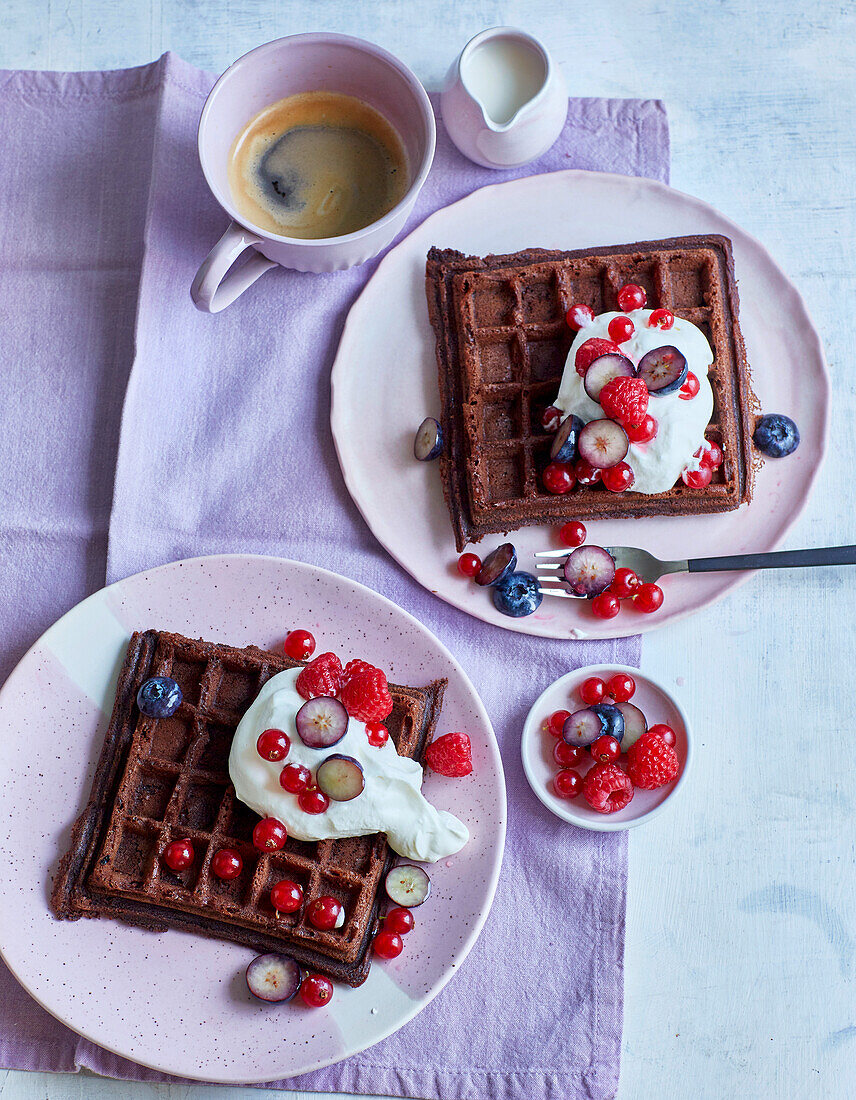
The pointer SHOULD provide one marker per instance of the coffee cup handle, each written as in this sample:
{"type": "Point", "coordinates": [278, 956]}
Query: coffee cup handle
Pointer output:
{"type": "Point", "coordinates": [215, 286]}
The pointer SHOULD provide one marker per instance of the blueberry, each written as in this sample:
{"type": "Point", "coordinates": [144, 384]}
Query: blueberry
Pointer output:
{"type": "Point", "coordinates": [429, 440]}
{"type": "Point", "coordinates": [159, 697]}
{"type": "Point", "coordinates": [564, 446]}
{"type": "Point", "coordinates": [776, 435]}
{"type": "Point", "coordinates": [517, 595]}
{"type": "Point", "coordinates": [611, 720]}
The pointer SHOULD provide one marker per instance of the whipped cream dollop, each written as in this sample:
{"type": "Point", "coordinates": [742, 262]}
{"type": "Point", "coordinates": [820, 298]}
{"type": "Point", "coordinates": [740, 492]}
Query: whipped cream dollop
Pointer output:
{"type": "Point", "coordinates": [656, 465]}
{"type": "Point", "coordinates": [391, 802]}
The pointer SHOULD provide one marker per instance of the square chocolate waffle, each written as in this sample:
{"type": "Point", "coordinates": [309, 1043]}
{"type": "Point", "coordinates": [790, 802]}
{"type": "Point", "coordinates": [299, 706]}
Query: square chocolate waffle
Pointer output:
{"type": "Point", "coordinates": [502, 342]}
{"type": "Point", "coordinates": [164, 779]}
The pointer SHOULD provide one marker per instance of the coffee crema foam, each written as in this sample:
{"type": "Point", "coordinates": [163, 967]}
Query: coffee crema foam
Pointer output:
{"type": "Point", "coordinates": [316, 165]}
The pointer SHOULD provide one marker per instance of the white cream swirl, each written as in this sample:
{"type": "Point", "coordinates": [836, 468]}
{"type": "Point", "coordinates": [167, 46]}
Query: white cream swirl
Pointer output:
{"type": "Point", "coordinates": [656, 465]}
{"type": "Point", "coordinates": [392, 801]}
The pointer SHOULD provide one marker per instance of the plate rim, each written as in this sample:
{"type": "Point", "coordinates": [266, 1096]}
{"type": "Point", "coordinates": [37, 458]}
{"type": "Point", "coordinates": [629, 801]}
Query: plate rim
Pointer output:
{"type": "Point", "coordinates": [497, 849]}
{"type": "Point", "coordinates": [606, 631]}
{"type": "Point", "coordinates": [530, 730]}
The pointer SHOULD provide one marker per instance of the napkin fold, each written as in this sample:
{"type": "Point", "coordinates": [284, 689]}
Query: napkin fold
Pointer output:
{"type": "Point", "coordinates": [217, 428]}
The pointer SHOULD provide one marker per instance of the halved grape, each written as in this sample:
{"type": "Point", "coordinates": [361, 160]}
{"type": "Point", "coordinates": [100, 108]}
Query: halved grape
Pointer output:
{"type": "Point", "coordinates": [663, 370]}
{"type": "Point", "coordinates": [428, 442]}
{"type": "Point", "coordinates": [322, 722]}
{"type": "Point", "coordinates": [589, 570]}
{"type": "Point", "coordinates": [564, 445]}
{"type": "Point", "coordinates": [340, 777]}
{"type": "Point", "coordinates": [603, 370]}
{"type": "Point", "coordinates": [499, 564]}
{"type": "Point", "coordinates": [273, 977]}
{"type": "Point", "coordinates": [407, 885]}
{"type": "Point", "coordinates": [603, 443]}
{"type": "Point", "coordinates": [582, 728]}
{"type": "Point", "coordinates": [634, 724]}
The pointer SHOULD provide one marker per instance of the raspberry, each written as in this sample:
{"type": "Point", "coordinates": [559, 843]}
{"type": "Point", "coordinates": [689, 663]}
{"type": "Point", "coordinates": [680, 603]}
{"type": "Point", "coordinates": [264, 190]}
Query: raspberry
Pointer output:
{"type": "Point", "coordinates": [365, 692]}
{"type": "Point", "coordinates": [592, 349]}
{"type": "Point", "coordinates": [625, 400]}
{"type": "Point", "coordinates": [323, 676]}
{"type": "Point", "coordinates": [607, 789]}
{"type": "Point", "coordinates": [450, 755]}
{"type": "Point", "coordinates": [651, 762]}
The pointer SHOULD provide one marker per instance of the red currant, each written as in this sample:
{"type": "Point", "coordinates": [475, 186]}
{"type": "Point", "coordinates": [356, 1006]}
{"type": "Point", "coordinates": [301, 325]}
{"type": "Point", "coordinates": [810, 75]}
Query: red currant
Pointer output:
{"type": "Point", "coordinates": [579, 315]}
{"type": "Point", "coordinates": [644, 432]}
{"type": "Point", "coordinates": [620, 329]}
{"type": "Point", "coordinates": [621, 686]}
{"type": "Point", "coordinates": [624, 583]}
{"type": "Point", "coordinates": [557, 721]}
{"type": "Point", "coordinates": [324, 912]}
{"type": "Point", "coordinates": [400, 921]}
{"type": "Point", "coordinates": [661, 318]}
{"type": "Point", "coordinates": [558, 478]}
{"type": "Point", "coordinates": [313, 801]}
{"type": "Point", "coordinates": [631, 296]}
{"type": "Point", "coordinates": [648, 597]}
{"type": "Point", "coordinates": [273, 745]}
{"type": "Point", "coordinates": [469, 564]}
{"type": "Point", "coordinates": [567, 783]}
{"type": "Point", "coordinates": [286, 896]}
{"type": "Point", "coordinates": [295, 778]}
{"type": "Point", "coordinates": [664, 731]}
{"type": "Point", "coordinates": [617, 478]}
{"type": "Point", "coordinates": [388, 945]}
{"type": "Point", "coordinates": [713, 456]}
{"type": "Point", "coordinates": [586, 474]}
{"type": "Point", "coordinates": [697, 479]}
{"type": "Point", "coordinates": [179, 855]}
{"type": "Point", "coordinates": [567, 756]}
{"type": "Point", "coordinates": [592, 690]}
{"type": "Point", "coordinates": [551, 418]}
{"type": "Point", "coordinates": [299, 645]}
{"type": "Point", "coordinates": [572, 534]}
{"type": "Point", "coordinates": [316, 990]}
{"type": "Point", "coordinates": [227, 863]}
{"type": "Point", "coordinates": [606, 750]}
{"type": "Point", "coordinates": [377, 734]}
{"type": "Point", "coordinates": [270, 835]}
{"type": "Point", "coordinates": [690, 388]}
{"type": "Point", "coordinates": [605, 606]}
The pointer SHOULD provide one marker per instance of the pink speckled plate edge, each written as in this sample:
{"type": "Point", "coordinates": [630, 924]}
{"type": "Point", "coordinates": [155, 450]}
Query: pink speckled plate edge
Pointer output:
{"type": "Point", "coordinates": [185, 1009]}
{"type": "Point", "coordinates": [384, 382]}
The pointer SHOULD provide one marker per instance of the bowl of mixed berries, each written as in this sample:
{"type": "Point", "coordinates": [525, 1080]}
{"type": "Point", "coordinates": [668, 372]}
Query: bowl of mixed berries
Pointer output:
{"type": "Point", "coordinates": [606, 747]}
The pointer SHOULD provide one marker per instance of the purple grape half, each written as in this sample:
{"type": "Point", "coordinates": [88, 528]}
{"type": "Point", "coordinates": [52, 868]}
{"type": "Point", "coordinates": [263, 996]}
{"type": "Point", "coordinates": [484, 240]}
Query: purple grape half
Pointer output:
{"type": "Point", "coordinates": [340, 777]}
{"type": "Point", "coordinates": [663, 370]}
{"type": "Point", "coordinates": [499, 564]}
{"type": "Point", "coordinates": [582, 728]}
{"type": "Point", "coordinates": [603, 443]}
{"type": "Point", "coordinates": [407, 885]}
{"type": "Point", "coordinates": [273, 978]}
{"type": "Point", "coordinates": [634, 724]}
{"type": "Point", "coordinates": [564, 445]}
{"type": "Point", "coordinates": [589, 570]}
{"type": "Point", "coordinates": [428, 442]}
{"type": "Point", "coordinates": [603, 370]}
{"type": "Point", "coordinates": [322, 722]}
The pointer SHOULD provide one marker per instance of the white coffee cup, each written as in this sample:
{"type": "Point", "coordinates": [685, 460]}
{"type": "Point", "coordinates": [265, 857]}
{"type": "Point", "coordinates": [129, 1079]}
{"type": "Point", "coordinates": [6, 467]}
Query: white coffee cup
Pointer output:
{"type": "Point", "coordinates": [288, 66]}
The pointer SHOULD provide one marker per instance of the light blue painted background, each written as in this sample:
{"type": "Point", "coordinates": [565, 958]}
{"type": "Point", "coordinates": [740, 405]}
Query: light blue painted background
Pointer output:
{"type": "Point", "coordinates": [740, 952]}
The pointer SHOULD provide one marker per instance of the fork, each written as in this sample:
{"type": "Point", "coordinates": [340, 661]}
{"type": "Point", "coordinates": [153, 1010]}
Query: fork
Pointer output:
{"type": "Point", "coordinates": [649, 568]}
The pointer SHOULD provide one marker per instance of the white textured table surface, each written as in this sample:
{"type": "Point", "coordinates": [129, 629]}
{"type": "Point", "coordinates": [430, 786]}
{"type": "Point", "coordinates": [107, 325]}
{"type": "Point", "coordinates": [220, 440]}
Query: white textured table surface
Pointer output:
{"type": "Point", "coordinates": [741, 930]}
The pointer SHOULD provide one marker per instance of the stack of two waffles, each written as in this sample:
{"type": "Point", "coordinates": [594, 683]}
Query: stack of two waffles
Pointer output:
{"type": "Point", "coordinates": [162, 779]}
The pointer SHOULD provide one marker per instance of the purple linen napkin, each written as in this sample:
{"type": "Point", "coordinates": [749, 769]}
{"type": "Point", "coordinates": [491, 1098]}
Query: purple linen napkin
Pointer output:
{"type": "Point", "coordinates": [224, 445]}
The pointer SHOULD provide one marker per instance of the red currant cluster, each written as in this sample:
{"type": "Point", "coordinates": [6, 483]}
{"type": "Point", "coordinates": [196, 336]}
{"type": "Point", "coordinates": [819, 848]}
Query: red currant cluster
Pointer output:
{"type": "Point", "coordinates": [646, 598]}
{"type": "Point", "coordinates": [610, 775]}
{"type": "Point", "coordinates": [388, 943]}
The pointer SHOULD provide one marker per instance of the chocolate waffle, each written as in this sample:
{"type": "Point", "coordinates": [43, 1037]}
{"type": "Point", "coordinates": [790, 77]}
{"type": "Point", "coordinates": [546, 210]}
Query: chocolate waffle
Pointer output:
{"type": "Point", "coordinates": [502, 342]}
{"type": "Point", "coordinates": [158, 780]}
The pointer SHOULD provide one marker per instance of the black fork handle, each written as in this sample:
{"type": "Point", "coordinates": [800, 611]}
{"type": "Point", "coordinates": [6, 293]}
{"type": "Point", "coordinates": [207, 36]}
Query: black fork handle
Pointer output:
{"type": "Point", "coordinates": [780, 559]}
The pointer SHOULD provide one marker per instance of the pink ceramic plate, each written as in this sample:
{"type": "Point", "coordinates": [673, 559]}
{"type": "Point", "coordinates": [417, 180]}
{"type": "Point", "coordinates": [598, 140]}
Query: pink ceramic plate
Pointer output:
{"type": "Point", "coordinates": [178, 1002]}
{"type": "Point", "coordinates": [385, 382]}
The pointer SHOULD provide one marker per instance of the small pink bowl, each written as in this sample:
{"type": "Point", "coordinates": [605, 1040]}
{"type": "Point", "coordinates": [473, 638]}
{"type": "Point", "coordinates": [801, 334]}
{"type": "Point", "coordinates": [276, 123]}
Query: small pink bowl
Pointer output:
{"type": "Point", "coordinates": [536, 748]}
{"type": "Point", "coordinates": [287, 66]}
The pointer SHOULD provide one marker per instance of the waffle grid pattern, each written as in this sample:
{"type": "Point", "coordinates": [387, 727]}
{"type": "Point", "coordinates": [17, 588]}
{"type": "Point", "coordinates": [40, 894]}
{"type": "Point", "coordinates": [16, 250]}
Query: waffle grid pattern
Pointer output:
{"type": "Point", "coordinates": [502, 345]}
{"type": "Point", "coordinates": [176, 784]}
